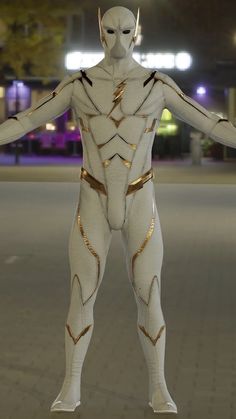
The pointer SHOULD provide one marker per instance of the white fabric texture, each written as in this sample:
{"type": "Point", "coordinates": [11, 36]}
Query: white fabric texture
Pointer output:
{"type": "Point", "coordinates": [86, 276]}
{"type": "Point", "coordinates": [117, 106]}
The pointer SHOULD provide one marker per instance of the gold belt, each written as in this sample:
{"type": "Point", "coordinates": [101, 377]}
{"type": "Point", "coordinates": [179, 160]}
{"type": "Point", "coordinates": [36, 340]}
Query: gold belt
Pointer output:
{"type": "Point", "coordinates": [132, 187]}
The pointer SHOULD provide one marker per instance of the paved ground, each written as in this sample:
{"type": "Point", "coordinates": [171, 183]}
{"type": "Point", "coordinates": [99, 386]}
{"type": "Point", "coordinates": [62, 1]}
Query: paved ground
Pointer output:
{"type": "Point", "coordinates": [51, 169]}
{"type": "Point", "coordinates": [198, 299]}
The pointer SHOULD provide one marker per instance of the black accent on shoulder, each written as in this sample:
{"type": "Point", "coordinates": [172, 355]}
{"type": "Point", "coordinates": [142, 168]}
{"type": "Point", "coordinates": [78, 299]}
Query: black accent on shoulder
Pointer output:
{"type": "Point", "coordinates": [13, 117]}
{"type": "Point", "coordinates": [223, 119]}
{"type": "Point", "coordinates": [149, 78]}
{"type": "Point", "coordinates": [84, 75]}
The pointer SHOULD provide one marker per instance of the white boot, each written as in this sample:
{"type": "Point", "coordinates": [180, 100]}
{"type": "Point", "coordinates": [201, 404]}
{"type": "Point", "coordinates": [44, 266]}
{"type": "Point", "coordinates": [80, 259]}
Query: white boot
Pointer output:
{"type": "Point", "coordinates": [152, 335]}
{"type": "Point", "coordinates": [78, 333]}
{"type": "Point", "coordinates": [76, 347]}
{"type": "Point", "coordinates": [161, 400]}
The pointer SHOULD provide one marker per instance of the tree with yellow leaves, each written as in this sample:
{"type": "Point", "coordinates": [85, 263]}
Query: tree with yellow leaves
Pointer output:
{"type": "Point", "coordinates": [33, 37]}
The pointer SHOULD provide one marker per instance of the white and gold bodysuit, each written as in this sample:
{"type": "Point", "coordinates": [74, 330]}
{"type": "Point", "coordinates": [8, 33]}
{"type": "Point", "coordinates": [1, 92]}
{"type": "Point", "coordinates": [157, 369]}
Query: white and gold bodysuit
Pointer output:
{"type": "Point", "coordinates": [117, 115]}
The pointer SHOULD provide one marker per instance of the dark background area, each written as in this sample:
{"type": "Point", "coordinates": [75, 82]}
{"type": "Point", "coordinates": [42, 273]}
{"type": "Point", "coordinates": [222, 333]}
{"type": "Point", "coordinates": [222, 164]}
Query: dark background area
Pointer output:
{"type": "Point", "coordinates": [206, 29]}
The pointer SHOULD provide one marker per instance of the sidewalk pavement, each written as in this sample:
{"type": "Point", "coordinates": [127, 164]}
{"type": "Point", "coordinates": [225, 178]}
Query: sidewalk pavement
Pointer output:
{"type": "Point", "coordinates": [67, 169]}
{"type": "Point", "coordinates": [198, 301]}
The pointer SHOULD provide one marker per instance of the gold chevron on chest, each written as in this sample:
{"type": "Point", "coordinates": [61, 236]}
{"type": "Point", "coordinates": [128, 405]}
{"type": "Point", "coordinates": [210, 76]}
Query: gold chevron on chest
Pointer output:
{"type": "Point", "coordinates": [133, 146]}
{"type": "Point", "coordinates": [116, 121]}
{"type": "Point", "coordinates": [107, 162]}
{"type": "Point", "coordinates": [118, 95]}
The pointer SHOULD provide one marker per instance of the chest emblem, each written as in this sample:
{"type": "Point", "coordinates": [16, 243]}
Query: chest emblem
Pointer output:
{"type": "Point", "coordinates": [118, 95]}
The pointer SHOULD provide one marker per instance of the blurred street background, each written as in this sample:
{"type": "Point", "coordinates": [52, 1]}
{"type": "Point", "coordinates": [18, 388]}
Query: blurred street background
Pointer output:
{"type": "Point", "coordinates": [40, 43]}
{"type": "Point", "coordinates": [195, 186]}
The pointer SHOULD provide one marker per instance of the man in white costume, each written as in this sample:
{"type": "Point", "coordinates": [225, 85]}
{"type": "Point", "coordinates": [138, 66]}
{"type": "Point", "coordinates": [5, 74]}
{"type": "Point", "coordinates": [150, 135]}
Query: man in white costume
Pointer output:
{"type": "Point", "coordinates": [117, 105]}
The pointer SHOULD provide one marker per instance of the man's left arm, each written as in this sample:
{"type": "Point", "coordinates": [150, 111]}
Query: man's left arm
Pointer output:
{"type": "Point", "coordinates": [191, 112]}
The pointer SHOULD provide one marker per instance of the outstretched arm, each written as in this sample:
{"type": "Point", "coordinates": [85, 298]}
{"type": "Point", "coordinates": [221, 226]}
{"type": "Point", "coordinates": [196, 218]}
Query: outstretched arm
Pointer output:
{"type": "Point", "coordinates": [188, 110]}
{"type": "Point", "coordinates": [47, 108]}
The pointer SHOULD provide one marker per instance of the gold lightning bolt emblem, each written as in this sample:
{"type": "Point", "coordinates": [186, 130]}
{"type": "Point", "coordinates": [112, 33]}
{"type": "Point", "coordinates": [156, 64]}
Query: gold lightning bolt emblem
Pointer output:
{"type": "Point", "coordinates": [118, 95]}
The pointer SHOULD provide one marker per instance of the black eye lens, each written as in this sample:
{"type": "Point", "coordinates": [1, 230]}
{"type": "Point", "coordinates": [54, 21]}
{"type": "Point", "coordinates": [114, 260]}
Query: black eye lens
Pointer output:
{"type": "Point", "coordinates": [126, 31]}
{"type": "Point", "coordinates": [110, 31]}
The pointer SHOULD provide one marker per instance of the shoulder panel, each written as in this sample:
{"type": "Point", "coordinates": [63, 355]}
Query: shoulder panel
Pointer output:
{"type": "Point", "coordinates": [70, 78]}
{"type": "Point", "coordinates": [169, 81]}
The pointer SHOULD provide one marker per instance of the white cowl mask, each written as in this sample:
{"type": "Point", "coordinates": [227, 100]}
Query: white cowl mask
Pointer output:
{"type": "Point", "coordinates": [118, 32]}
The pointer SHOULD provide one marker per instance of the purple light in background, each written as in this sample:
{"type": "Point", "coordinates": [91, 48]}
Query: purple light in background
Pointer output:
{"type": "Point", "coordinates": [201, 91]}
{"type": "Point", "coordinates": [18, 87]}
{"type": "Point", "coordinates": [17, 92]}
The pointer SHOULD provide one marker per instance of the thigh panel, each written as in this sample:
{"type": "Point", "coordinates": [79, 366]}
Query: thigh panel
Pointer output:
{"type": "Point", "coordinates": [142, 238]}
{"type": "Point", "coordinates": [89, 242]}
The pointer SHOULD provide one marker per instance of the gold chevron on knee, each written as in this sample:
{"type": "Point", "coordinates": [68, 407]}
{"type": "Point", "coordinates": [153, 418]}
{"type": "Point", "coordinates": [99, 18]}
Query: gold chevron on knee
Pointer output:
{"type": "Point", "coordinates": [153, 340]}
{"type": "Point", "coordinates": [150, 291]}
{"type": "Point", "coordinates": [76, 338]}
{"type": "Point", "coordinates": [76, 277]}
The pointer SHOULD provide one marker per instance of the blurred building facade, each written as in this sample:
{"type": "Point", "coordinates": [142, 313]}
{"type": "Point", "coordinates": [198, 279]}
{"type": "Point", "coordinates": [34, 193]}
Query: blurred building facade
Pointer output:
{"type": "Point", "coordinates": [62, 136]}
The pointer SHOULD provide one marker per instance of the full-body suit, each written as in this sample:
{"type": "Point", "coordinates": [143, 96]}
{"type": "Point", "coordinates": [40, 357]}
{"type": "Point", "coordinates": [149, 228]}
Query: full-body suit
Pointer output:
{"type": "Point", "coordinates": [117, 105]}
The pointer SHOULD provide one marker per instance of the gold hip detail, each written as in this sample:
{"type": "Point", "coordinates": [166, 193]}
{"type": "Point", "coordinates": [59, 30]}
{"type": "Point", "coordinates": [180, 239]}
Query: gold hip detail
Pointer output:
{"type": "Point", "coordinates": [94, 183]}
{"type": "Point", "coordinates": [132, 187]}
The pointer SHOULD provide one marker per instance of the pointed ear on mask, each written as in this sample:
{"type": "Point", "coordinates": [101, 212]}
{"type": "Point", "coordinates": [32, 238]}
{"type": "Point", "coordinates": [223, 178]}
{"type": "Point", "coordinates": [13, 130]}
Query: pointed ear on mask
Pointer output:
{"type": "Point", "coordinates": [102, 37]}
{"type": "Point", "coordinates": [136, 26]}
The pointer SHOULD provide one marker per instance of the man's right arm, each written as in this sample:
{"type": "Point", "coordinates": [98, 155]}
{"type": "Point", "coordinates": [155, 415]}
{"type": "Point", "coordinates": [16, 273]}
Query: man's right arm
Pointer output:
{"type": "Point", "coordinates": [47, 108]}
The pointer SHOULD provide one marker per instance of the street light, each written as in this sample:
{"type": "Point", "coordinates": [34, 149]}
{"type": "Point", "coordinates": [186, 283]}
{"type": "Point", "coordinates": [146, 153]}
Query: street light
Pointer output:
{"type": "Point", "coordinates": [183, 60]}
{"type": "Point", "coordinates": [201, 91]}
{"type": "Point", "coordinates": [76, 60]}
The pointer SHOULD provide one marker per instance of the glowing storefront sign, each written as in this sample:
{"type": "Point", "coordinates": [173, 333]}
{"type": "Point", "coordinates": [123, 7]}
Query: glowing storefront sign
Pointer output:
{"type": "Point", "coordinates": [182, 61]}
{"type": "Point", "coordinates": [2, 92]}
{"type": "Point", "coordinates": [50, 126]}
{"type": "Point", "coordinates": [166, 115]}
{"type": "Point", "coordinates": [167, 126]}
{"type": "Point", "coordinates": [167, 129]}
